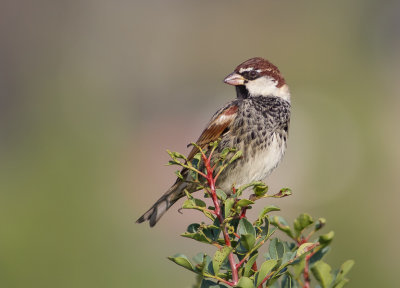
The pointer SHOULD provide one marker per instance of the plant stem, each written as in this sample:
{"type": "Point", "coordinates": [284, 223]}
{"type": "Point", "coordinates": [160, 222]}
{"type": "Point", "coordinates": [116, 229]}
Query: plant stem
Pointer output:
{"type": "Point", "coordinates": [258, 245]}
{"type": "Point", "coordinates": [243, 213]}
{"type": "Point", "coordinates": [241, 262]}
{"type": "Point", "coordinates": [219, 279]}
{"type": "Point", "coordinates": [265, 279]}
{"type": "Point", "coordinates": [306, 272]}
{"type": "Point", "coordinates": [211, 182]}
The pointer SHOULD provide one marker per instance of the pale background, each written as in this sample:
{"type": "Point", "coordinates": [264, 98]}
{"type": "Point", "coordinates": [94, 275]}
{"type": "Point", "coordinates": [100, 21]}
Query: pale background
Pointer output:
{"type": "Point", "coordinates": [92, 93]}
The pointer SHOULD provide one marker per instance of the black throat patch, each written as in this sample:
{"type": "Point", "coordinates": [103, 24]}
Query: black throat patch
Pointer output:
{"type": "Point", "coordinates": [242, 92]}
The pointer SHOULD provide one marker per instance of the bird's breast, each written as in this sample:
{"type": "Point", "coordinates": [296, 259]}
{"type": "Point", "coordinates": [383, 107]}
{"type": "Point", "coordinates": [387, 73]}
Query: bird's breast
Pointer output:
{"type": "Point", "coordinates": [257, 162]}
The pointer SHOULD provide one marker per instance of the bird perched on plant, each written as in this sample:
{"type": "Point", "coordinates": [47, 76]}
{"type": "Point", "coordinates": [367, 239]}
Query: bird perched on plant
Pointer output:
{"type": "Point", "coordinates": [256, 123]}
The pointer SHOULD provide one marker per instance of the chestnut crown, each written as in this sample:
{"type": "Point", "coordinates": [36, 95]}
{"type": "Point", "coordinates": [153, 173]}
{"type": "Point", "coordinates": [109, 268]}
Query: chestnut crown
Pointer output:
{"type": "Point", "coordinates": [258, 67]}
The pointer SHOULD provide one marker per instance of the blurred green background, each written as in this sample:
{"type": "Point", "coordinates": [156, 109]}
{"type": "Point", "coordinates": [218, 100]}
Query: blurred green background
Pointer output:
{"type": "Point", "coordinates": [92, 93]}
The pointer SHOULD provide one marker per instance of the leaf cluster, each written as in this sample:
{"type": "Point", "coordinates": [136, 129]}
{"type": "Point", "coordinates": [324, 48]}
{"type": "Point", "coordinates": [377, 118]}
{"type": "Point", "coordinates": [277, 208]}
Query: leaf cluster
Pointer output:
{"type": "Point", "coordinates": [238, 260]}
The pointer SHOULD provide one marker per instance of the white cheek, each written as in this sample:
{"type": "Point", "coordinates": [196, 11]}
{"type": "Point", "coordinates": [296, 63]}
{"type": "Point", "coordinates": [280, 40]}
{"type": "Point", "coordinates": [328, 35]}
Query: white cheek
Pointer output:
{"type": "Point", "coordinates": [284, 92]}
{"type": "Point", "coordinates": [262, 86]}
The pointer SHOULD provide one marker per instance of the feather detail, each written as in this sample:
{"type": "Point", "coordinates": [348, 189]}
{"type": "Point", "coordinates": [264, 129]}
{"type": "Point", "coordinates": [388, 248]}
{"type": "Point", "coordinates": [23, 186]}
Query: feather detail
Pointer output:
{"type": "Point", "coordinates": [218, 124]}
{"type": "Point", "coordinates": [164, 203]}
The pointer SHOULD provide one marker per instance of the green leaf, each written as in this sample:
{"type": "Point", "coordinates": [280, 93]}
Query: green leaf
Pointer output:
{"type": "Point", "coordinates": [341, 283]}
{"type": "Point", "coordinates": [287, 256]}
{"type": "Point", "coordinates": [199, 236]}
{"type": "Point", "coordinates": [199, 203]}
{"type": "Point", "coordinates": [196, 160]}
{"type": "Point", "coordinates": [298, 267]}
{"type": "Point", "coordinates": [199, 258]}
{"type": "Point", "coordinates": [212, 231]}
{"type": "Point", "coordinates": [228, 206]}
{"type": "Point", "coordinates": [327, 238]}
{"type": "Point", "coordinates": [209, 284]}
{"type": "Point", "coordinates": [248, 241]}
{"type": "Point", "coordinates": [219, 257]}
{"type": "Point", "coordinates": [237, 155]}
{"type": "Point", "coordinates": [178, 173]}
{"type": "Point", "coordinates": [274, 284]}
{"type": "Point", "coordinates": [176, 155]}
{"type": "Point", "coordinates": [221, 194]}
{"type": "Point", "coordinates": [265, 211]}
{"type": "Point", "coordinates": [247, 236]}
{"type": "Point", "coordinates": [240, 190]}
{"type": "Point", "coordinates": [179, 155]}
{"type": "Point", "coordinates": [260, 189]}
{"type": "Point", "coordinates": [265, 228]}
{"type": "Point", "coordinates": [208, 214]}
{"type": "Point", "coordinates": [203, 233]}
{"type": "Point", "coordinates": [188, 204]}
{"type": "Point", "coordinates": [344, 269]}
{"type": "Point", "coordinates": [320, 224]}
{"type": "Point", "coordinates": [183, 261]}
{"type": "Point", "coordinates": [265, 269]}
{"type": "Point", "coordinates": [244, 203]}
{"type": "Point", "coordinates": [193, 204]}
{"type": "Point", "coordinates": [304, 248]}
{"type": "Point", "coordinates": [214, 143]}
{"type": "Point", "coordinates": [322, 272]}
{"type": "Point", "coordinates": [289, 282]}
{"type": "Point", "coordinates": [225, 153]}
{"type": "Point", "coordinates": [282, 225]}
{"type": "Point", "coordinates": [193, 228]}
{"type": "Point", "coordinates": [302, 222]}
{"type": "Point", "coordinates": [249, 264]}
{"type": "Point", "coordinates": [245, 227]}
{"type": "Point", "coordinates": [202, 261]}
{"type": "Point", "coordinates": [245, 282]}
{"type": "Point", "coordinates": [276, 249]}
{"type": "Point", "coordinates": [318, 255]}
{"type": "Point", "coordinates": [188, 195]}
{"type": "Point", "coordinates": [282, 193]}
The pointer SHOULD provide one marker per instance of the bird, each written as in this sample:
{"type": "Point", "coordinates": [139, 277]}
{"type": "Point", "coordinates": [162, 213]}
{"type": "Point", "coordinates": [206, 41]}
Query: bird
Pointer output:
{"type": "Point", "coordinates": [255, 122]}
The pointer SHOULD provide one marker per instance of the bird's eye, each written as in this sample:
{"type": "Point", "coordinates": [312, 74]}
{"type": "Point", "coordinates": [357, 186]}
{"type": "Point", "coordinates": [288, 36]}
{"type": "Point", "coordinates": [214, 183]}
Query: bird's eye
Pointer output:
{"type": "Point", "coordinates": [253, 74]}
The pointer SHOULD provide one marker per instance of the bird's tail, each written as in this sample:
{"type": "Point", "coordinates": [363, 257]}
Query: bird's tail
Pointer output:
{"type": "Point", "coordinates": [163, 204]}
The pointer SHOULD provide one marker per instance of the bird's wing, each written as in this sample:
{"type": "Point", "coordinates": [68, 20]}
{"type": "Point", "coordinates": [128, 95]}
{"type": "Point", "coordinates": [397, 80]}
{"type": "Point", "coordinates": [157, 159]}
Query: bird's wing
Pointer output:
{"type": "Point", "coordinates": [216, 127]}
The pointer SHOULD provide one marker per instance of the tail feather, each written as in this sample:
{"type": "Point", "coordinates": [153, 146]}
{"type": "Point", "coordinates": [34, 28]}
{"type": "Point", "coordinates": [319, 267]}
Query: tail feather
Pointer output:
{"type": "Point", "coordinates": [163, 204]}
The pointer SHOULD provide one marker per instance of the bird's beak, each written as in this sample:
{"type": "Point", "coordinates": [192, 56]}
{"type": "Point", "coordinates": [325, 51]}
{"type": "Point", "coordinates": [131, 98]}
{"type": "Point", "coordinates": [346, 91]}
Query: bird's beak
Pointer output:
{"type": "Point", "coordinates": [234, 79]}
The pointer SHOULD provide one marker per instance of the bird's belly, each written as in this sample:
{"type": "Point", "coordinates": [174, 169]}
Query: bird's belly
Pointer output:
{"type": "Point", "coordinates": [255, 166]}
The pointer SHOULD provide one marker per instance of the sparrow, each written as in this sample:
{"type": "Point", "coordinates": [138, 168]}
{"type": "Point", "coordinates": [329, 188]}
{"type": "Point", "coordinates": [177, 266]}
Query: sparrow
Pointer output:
{"type": "Point", "coordinates": [256, 122]}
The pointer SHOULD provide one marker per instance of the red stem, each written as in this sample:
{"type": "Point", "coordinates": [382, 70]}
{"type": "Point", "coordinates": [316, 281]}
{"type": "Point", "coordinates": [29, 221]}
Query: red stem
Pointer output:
{"type": "Point", "coordinates": [306, 273]}
{"type": "Point", "coordinates": [243, 213]}
{"type": "Point", "coordinates": [226, 282]}
{"type": "Point", "coordinates": [265, 279]}
{"type": "Point", "coordinates": [211, 183]}
{"type": "Point", "coordinates": [241, 263]}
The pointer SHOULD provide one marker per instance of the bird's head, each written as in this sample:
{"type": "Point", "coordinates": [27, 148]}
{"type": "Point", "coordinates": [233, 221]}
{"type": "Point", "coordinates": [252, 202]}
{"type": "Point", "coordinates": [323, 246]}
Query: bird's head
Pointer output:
{"type": "Point", "coordinates": [258, 77]}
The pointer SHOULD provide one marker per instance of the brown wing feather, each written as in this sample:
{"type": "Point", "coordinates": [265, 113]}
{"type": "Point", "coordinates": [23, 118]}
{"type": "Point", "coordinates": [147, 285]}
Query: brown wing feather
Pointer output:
{"type": "Point", "coordinates": [217, 125]}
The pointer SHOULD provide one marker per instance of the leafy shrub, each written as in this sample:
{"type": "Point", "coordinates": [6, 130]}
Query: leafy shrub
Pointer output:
{"type": "Point", "coordinates": [238, 240]}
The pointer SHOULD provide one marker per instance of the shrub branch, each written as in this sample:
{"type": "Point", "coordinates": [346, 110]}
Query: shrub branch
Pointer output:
{"type": "Point", "coordinates": [286, 264]}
